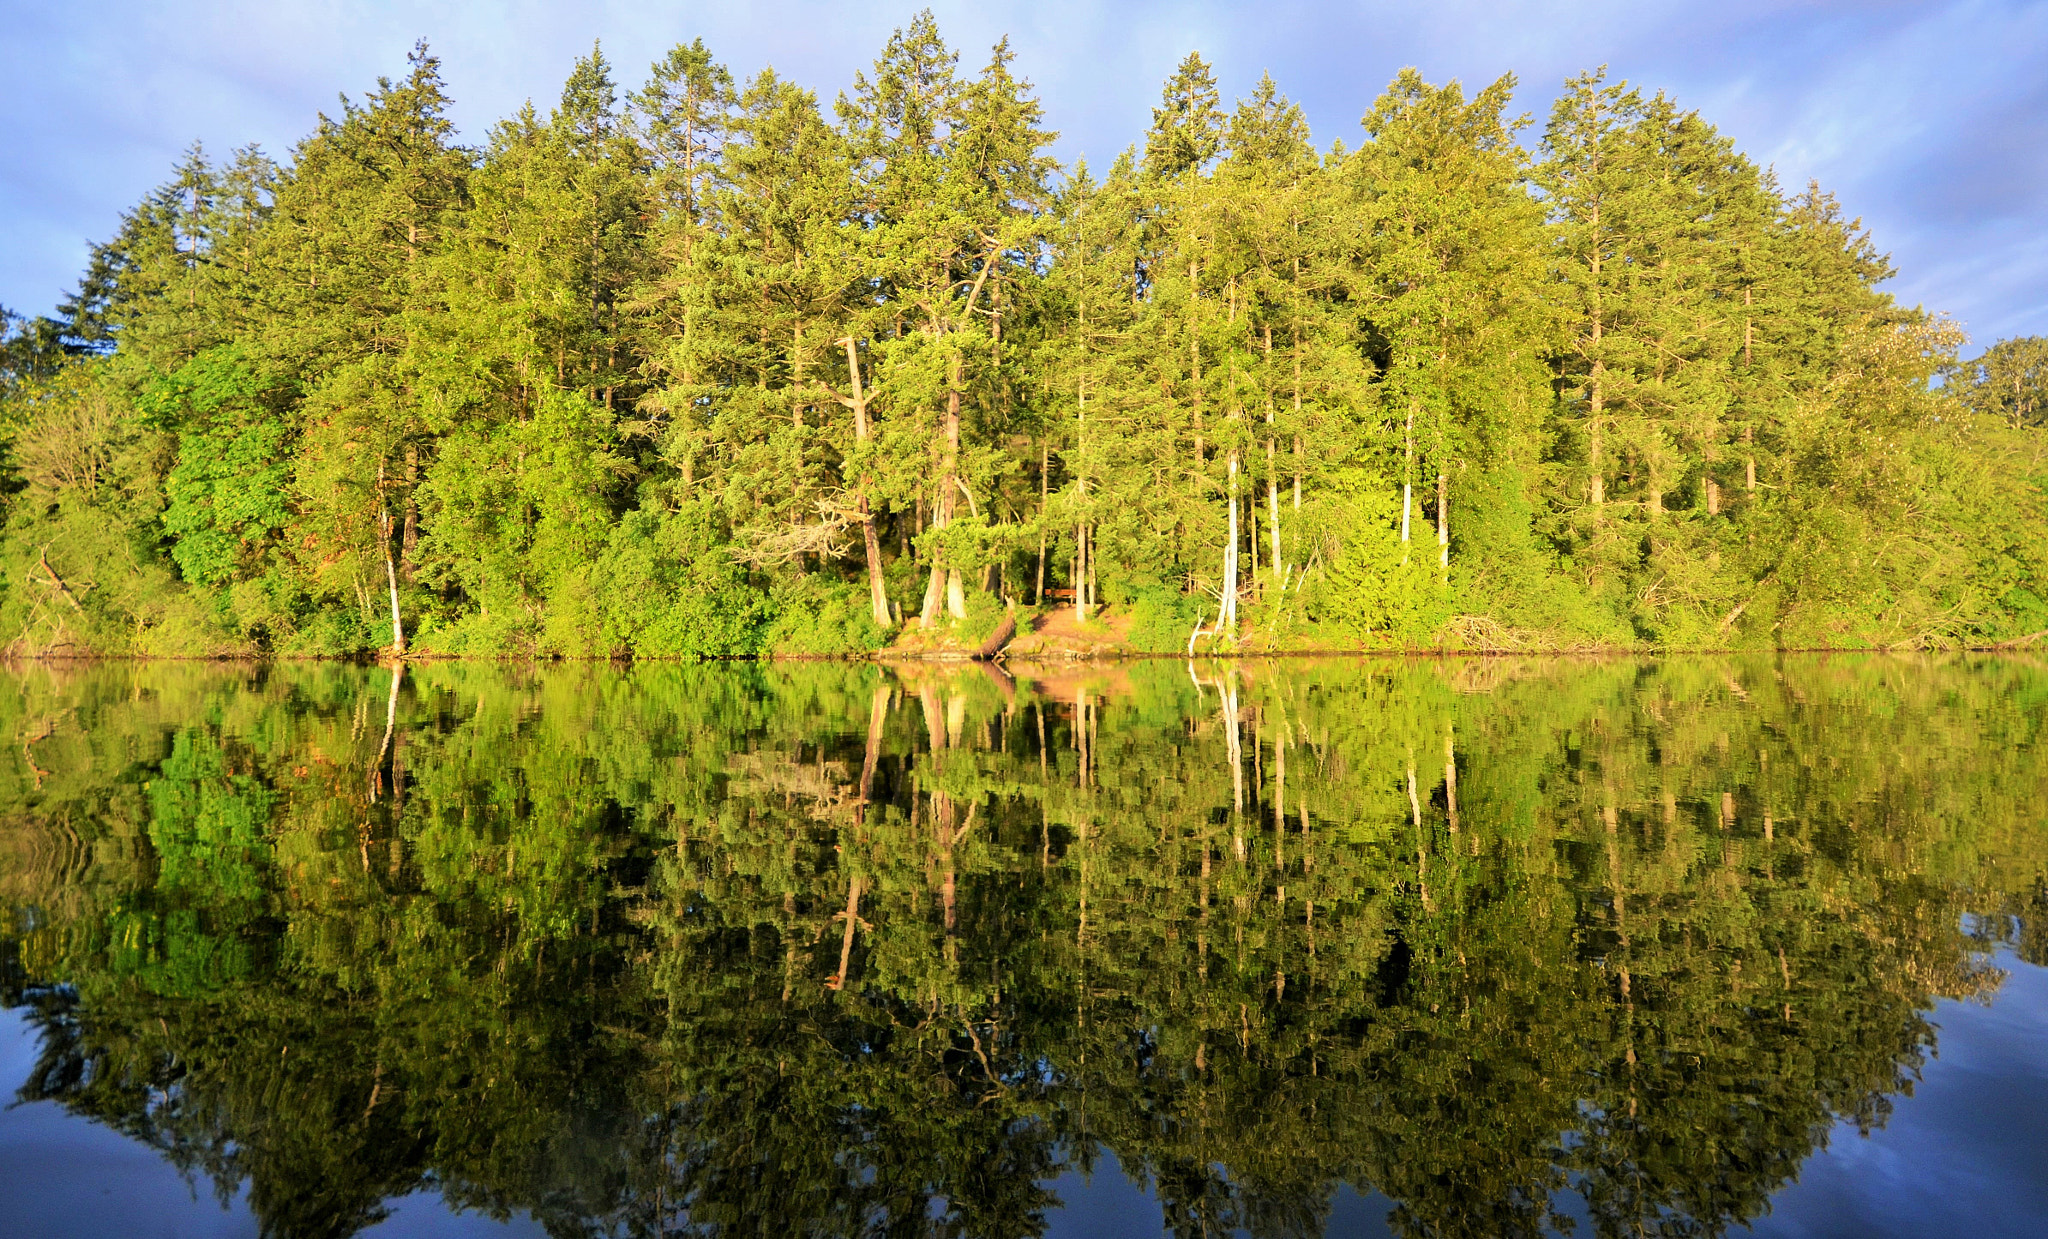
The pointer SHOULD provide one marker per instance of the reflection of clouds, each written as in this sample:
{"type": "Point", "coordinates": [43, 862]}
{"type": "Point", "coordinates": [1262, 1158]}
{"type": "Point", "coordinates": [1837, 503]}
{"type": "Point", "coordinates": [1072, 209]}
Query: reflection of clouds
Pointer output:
{"type": "Point", "coordinates": [1928, 120]}
{"type": "Point", "coordinates": [1970, 1132]}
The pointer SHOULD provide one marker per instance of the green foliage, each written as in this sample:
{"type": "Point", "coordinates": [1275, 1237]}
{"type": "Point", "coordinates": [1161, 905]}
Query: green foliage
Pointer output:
{"type": "Point", "coordinates": [677, 371]}
{"type": "Point", "coordinates": [1161, 619]}
{"type": "Point", "coordinates": [862, 948]}
{"type": "Point", "coordinates": [226, 493]}
{"type": "Point", "coordinates": [814, 616]}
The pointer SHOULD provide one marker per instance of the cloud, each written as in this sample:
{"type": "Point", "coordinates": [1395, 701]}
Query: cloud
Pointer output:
{"type": "Point", "coordinates": [1927, 119]}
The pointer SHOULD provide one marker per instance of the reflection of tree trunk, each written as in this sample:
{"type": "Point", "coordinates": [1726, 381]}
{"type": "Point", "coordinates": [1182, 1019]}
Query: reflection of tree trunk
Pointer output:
{"type": "Point", "coordinates": [956, 720]}
{"type": "Point", "coordinates": [878, 714]}
{"type": "Point", "coordinates": [942, 821]}
{"type": "Point", "coordinates": [1233, 741]}
{"type": "Point", "coordinates": [934, 718]}
{"type": "Point", "coordinates": [1279, 801]}
{"type": "Point", "coordinates": [1450, 778]}
{"type": "Point", "coordinates": [390, 726]}
{"type": "Point", "coordinates": [852, 915]}
{"type": "Point", "coordinates": [1421, 841]}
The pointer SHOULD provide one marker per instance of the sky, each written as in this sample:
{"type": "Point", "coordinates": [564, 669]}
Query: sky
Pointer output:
{"type": "Point", "coordinates": [1928, 120]}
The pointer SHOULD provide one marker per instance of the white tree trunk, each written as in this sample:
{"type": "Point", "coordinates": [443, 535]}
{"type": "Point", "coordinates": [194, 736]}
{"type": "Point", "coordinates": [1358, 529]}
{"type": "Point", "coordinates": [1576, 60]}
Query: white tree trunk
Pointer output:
{"type": "Point", "coordinates": [1229, 618]}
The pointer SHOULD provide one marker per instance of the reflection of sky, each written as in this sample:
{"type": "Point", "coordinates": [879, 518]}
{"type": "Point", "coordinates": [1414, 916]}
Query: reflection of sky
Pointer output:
{"type": "Point", "coordinates": [67, 1178]}
{"type": "Point", "coordinates": [1966, 1155]}
{"type": "Point", "coordinates": [1929, 117]}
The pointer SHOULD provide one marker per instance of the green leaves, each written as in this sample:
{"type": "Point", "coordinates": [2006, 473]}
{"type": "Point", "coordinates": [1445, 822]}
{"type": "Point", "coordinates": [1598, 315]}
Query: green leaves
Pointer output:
{"type": "Point", "coordinates": [1630, 390]}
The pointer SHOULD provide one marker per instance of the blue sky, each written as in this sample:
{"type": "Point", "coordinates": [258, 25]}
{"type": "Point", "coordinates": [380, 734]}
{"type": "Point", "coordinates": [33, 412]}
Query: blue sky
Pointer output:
{"type": "Point", "coordinates": [1929, 120]}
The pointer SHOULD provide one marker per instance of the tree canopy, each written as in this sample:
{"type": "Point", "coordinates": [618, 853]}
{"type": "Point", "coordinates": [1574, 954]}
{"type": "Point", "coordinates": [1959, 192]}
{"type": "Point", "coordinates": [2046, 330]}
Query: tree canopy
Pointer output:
{"type": "Point", "coordinates": [717, 367]}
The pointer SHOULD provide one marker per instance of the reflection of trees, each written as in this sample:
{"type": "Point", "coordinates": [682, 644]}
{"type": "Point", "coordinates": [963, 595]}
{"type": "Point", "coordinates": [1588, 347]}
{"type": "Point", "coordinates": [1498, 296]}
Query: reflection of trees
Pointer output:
{"type": "Point", "coordinates": [843, 951]}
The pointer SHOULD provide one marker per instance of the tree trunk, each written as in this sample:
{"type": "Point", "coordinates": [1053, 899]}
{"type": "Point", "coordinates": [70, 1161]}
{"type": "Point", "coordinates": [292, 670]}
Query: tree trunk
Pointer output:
{"type": "Point", "coordinates": [1229, 616]}
{"type": "Point", "coordinates": [1443, 519]}
{"type": "Point", "coordinates": [1273, 511]}
{"type": "Point", "coordinates": [397, 621]}
{"type": "Point", "coordinates": [1044, 467]}
{"type": "Point", "coordinates": [1596, 481]}
{"type": "Point", "coordinates": [1082, 552]}
{"type": "Point", "coordinates": [1407, 477]}
{"type": "Point", "coordinates": [409, 543]}
{"type": "Point", "coordinates": [934, 596]}
{"type": "Point", "coordinates": [1080, 572]}
{"type": "Point", "coordinates": [946, 581]}
{"type": "Point", "coordinates": [390, 565]}
{"type": "Point", "coordinates": [878, 589]}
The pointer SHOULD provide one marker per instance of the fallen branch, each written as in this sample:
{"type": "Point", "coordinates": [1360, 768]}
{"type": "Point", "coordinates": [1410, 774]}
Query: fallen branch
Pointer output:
{"type": "Point", "coordinates": [43, 556]}
{"type": "Point", "coordinates": [1728, 620]}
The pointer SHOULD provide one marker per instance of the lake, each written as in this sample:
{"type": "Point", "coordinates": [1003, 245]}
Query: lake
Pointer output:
{"type": "Point", "coordinates": [1675, 946]}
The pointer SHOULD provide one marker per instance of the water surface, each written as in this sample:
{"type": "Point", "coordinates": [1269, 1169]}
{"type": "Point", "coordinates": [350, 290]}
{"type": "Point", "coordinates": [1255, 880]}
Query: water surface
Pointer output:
{"type": "Point", "coordinates": [1487, 947]}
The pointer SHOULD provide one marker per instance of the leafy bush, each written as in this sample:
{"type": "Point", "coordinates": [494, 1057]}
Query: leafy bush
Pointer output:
{"type": "Point", "coordinates": [814, 615]}
{"type": "Point", "coordinates": [1161, 618]}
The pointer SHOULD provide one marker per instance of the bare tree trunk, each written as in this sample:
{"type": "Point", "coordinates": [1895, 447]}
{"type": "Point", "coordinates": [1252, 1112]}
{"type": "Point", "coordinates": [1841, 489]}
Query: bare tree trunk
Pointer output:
{"type": "Point", "coordinates": [1407, 477]}
{"type": "Point", "coordinates": [1297, 412]}
{"type": "Point", "coordinates": [955, 602]}
{"type": "Point", "coordinates": [1273, 510]}
{"type": "Point", "coordinates": [1251, 520]}
{"type": "Point", "coordinates": [1080, 572]}
{"type": "Point", "coordinates": [1083, 553]}
{"type": "Point", "coordinates": [1297, 477]}
{"type": "Point", "coordinates": [409, 544]}
{"type": "Point", "coordinates": [390, 565]}
{"type": "Point", "coordinates": [1229, 616]}
{"type": "Point", "coordinates": [1092, 600]}
{"type": "Point", "coordinates": [878, 588]}
{"type": "Point", "coordinates": [1596, 482]}
{"type": "Point", "coordinates": [1044, 468]}
{"type": "Point", "coordinates": [934, 595]}
{"type": "Point", "coordinates": [1443, 519]}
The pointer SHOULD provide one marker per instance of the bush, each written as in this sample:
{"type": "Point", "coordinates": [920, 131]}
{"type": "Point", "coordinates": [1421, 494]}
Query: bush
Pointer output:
{"type": "Point", "coordinates": [662, 587]}
{"type": "Point", "coordinates": [1161, 618]}
{"type": "Point", "coordinates": [817, 615]}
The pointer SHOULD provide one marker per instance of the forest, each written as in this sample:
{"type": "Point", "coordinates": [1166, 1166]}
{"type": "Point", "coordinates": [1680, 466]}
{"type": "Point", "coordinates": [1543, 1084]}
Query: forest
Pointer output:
{"type": "Point", "coordinates": [846, 949]}
{"type": "Point", "coordinates": [715, 368]}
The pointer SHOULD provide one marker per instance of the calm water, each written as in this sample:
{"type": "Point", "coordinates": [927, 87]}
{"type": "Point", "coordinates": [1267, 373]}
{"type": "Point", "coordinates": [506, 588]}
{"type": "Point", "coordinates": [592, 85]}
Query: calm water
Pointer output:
{"type": "Point", "coordinates": [1677, 947]}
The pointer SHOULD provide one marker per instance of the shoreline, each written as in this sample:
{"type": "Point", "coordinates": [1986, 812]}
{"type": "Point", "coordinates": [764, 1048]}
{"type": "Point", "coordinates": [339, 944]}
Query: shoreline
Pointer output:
{"type": "Point", "coordinates": [1034, 658]}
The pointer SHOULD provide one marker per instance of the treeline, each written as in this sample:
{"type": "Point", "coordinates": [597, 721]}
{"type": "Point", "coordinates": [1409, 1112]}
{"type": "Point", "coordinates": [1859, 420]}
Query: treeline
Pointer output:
{"type": "Point", "coordinates": [684, 947]}
{"type": "Point", "coordinates": [709, 368]}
